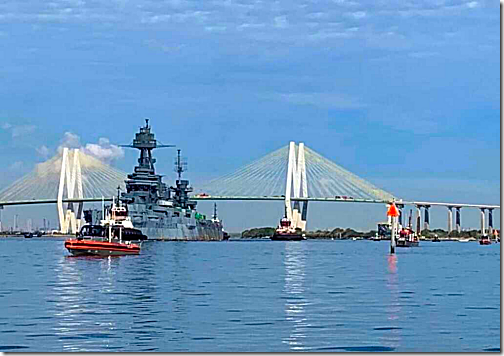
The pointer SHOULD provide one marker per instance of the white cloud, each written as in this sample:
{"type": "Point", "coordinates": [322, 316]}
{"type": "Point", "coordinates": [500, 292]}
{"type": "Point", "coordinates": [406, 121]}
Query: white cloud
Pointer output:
{"type": "Point", "coordinates": [423, 54]}
{"type": "Point", "coordinates": [43, 151]}
{"type": "Point", "coordinates": [18, 130]}
{"type": "Point", "coordinates": [281, 22]}
{"type": "Point", "coordinates": [318, 15]}
{"type": "Point", "coordinates": [104, 151]}
{"type": "Point", "coordinates": [244, 26]}
{"type": "Point", "coordinates": [472, 4]}
{"type": "Point", "coordinates": [324, 100]}
{"type": "Point", "coordinates": [16, 166]}
{"type": "Point", "coordinates": [168, 48]}
{"type": "Point", "coordinates": [346, 3]}
{"type": "Point", "coordinates": [69, 140]}
{"type": "Point", "coordinates": [22, 130]}
{"type": "Point", "coordinates": [215, 28]}
{"type": "Point", "coordinates": [357, 15]}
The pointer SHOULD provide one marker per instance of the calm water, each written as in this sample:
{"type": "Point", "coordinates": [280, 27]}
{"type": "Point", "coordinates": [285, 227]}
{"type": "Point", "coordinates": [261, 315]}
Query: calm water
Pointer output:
{"type": "Point", "coordinates": [251, 296]}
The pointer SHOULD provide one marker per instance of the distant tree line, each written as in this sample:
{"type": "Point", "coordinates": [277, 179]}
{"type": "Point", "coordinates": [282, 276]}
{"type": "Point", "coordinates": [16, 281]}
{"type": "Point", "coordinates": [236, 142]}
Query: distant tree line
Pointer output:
{"type": "Point", "coordinates": [444, 234]}
{"type": "Point", "coordinates": [340, 233]}
{"type": "Point", "coordinates": [319, 234]}
{"type": "Point", "coordinates": [258, 232]}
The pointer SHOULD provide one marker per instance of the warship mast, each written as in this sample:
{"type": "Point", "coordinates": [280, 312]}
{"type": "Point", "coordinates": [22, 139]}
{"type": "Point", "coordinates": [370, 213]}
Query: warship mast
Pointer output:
{"type": "Point", "coordinates": [181, 189]}
{"type": "Point", "coordinates": [144, 185]}
{"type": "Point", "coordinates": [145, 142]}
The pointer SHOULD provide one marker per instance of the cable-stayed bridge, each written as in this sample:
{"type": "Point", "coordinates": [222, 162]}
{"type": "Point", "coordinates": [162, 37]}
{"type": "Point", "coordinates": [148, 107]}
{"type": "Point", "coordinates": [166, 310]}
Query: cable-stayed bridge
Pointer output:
{"type": "Point", "coordinates": [294, 174]}
{"type": "Point", "coordinates": [268, 176]}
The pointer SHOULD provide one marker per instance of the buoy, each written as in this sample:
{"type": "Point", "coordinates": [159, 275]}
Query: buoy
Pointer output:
{"type": "Point", "coordinates": [394, 213]}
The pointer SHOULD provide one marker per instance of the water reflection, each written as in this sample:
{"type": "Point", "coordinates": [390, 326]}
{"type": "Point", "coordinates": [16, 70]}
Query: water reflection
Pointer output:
{"type": "Point", "coordinates": [393, 309]}
{"type": "Point", "coordinates": [294, 288]}
{"type": "Point", "coordinates": [180, 279]}
{"type": "Point", "coordinates": [72, 298]}
{"type": "Point", "coordinates": [99, 301]}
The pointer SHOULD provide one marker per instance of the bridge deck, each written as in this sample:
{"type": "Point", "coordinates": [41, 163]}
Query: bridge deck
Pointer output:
{"type": "Point", "coordinates": [260, 198]}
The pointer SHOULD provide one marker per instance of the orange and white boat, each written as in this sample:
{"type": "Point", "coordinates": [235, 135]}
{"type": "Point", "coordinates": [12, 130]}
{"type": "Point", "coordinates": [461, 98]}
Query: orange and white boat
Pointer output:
{"type": "Point", "coordinates": [85, 247]}
{"type": "Point", "coordinates": [113, 237]}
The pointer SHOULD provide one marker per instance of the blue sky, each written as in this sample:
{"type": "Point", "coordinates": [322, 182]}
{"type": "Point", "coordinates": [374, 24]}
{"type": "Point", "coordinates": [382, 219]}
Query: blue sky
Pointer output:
{"type": "Point", "coordinates": [402, 93]}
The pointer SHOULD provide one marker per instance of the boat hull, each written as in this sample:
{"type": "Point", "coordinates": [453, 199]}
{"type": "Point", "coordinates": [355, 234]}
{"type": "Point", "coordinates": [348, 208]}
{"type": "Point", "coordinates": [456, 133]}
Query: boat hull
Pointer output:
{"type": "Point", "coordinates": [287, 237]}
{"type": "Point", "coordinates": [403, 243]}
{"type": "Point", "coordinates": [485, 242]}
{"type": "Point", "coordinates": [164, 225]}
{"type": "Point", "coordinates": [100, 248]}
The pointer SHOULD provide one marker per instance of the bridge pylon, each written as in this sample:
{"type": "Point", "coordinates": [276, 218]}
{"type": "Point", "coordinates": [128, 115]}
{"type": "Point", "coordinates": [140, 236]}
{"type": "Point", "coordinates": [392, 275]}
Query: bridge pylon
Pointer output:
{"type": "Point", "coordinates": [296, 187]}
{"type": "Point", "coordinates": [71, 176]}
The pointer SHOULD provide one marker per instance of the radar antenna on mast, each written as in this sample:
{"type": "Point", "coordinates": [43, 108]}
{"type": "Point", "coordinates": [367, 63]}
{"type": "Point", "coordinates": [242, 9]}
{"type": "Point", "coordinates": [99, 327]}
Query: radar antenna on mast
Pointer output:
{"type": "Point", "coordinates": [180, 165]}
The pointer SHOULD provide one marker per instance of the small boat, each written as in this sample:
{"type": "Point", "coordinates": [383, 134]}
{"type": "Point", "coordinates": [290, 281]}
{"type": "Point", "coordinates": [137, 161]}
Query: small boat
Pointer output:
{"type": "Point", "coordinates": [485, 240]}
{"type": "Point", "coordinates": [92, 247]}
{"type": "Point", "coordinates": [464, 240]}
{"type": "Point", "coordinates": [28, 235]}
{"type": "Point", "coordinates": [113, 237]}
{"type": "Point", "coordinates": [436, 238]}
{"type": "Point", "coordinates": [407, 238]}
{"type": "Point", "coordinates": [285, 232]}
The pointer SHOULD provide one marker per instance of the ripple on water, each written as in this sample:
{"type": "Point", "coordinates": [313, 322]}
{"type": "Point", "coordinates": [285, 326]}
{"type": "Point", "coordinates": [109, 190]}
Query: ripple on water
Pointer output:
{"type": "Point", "coordinates": [40, 335]}
{"type": "Point", "coordinates": [356, 348]}
{"type": "Point", "coordinates": [258, 324]}
{"type": "Point", "coordinates": [12, 347]}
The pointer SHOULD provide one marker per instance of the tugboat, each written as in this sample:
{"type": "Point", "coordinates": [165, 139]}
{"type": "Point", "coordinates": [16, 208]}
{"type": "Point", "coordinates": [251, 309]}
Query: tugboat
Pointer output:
{"type": "Point", "coordinates": [218, 222]}
{"type": "Point", "coordinates": [407, 238]}
{"type": "Point", "coordinates": [485, 240]}
{"type": "Point", "coordinates": [285, 232]}
{"type": "Point", "coordinates": [112, 238]}
{"type": "Point", "coordinates": [120, 222]}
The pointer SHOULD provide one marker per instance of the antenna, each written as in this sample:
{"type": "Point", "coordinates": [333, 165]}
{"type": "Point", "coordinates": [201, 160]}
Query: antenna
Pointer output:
{"type": "Point", "coordinates": [215, 211]}
{"type": "Point", "coordinates": [119, 193]}
{"type": "Point", "coordinates": [180, 165]}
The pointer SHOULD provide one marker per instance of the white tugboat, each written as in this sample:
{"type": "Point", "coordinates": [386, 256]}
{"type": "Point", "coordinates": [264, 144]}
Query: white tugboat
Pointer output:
{"type": "Point", "coordinates": [285, 232]}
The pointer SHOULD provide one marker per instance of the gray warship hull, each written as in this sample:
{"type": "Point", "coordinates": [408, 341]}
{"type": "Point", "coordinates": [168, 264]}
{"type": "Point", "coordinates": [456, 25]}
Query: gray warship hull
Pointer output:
{"type": "Point", "coordinates": [166, 226]}
{"type": "Point", "coordinates": [183, 233]}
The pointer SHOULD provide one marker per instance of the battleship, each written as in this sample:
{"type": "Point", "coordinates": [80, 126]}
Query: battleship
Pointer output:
{"type": "Point", "coordinates": [159, 211]}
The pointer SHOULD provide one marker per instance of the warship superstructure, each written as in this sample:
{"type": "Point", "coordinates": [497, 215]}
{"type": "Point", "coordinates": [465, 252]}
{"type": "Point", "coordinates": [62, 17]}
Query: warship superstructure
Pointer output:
{"type": "Point", "coordinates": [159, 211]}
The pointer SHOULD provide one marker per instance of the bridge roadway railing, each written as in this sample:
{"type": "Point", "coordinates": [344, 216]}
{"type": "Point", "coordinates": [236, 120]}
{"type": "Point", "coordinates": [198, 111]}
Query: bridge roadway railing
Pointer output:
{"type": "Point", "coordinates": [260, 198]}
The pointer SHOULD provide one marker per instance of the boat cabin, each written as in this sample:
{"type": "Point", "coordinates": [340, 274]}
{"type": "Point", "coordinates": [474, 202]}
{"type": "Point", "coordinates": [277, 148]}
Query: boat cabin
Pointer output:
{"type": "Point", "coordinates": [119, 213]}
{"type": "Point", "coordinates": [285, 222]}
{"type": "Point", "coordinates": [102, 232]}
